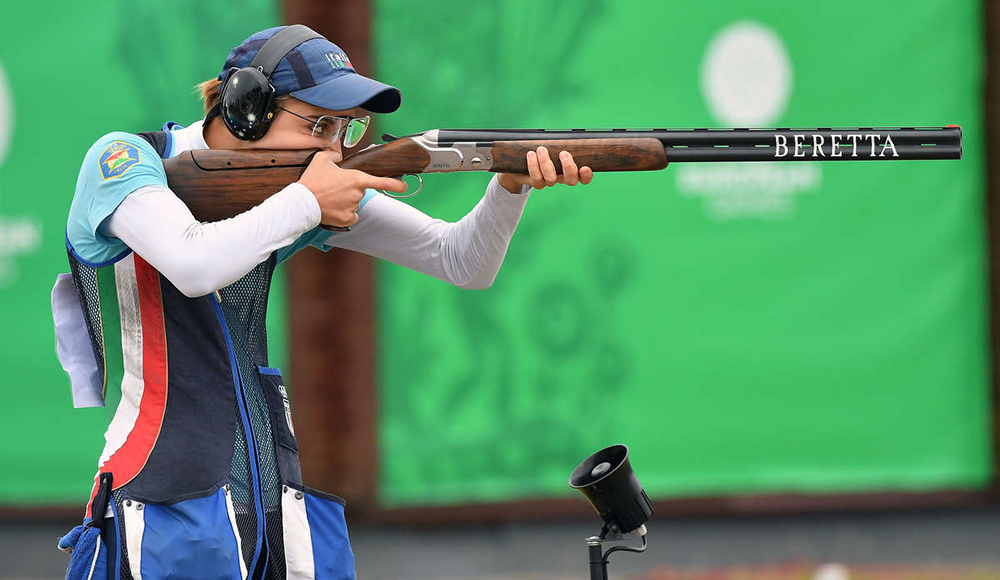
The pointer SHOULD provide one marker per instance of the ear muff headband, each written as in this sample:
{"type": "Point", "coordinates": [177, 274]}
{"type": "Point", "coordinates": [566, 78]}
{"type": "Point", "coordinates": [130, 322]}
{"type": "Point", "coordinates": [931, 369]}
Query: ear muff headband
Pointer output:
{"type": "Point", "coordinates": [246, 102]}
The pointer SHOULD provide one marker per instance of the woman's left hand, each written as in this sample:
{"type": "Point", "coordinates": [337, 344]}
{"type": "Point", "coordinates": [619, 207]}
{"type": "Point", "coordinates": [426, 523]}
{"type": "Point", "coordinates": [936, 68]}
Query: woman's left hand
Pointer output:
{"type": "Point", "coordinates": [542, 172]}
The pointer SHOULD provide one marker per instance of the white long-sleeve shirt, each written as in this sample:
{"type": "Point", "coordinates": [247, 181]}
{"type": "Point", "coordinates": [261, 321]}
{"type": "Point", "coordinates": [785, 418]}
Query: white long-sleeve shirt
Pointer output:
{"type": "Point", "coordinates": [199, 258]}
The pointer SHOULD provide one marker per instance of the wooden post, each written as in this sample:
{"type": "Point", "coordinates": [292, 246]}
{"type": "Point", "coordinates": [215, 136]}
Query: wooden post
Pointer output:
{"type": "Point", "coordinates": [991, 118]}
{"type": "Point", "coordinates": [331, 305]}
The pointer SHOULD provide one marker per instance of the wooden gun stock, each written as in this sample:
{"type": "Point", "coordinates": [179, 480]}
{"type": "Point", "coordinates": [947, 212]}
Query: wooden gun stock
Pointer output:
{"type": "Point", "coordinates": [220, 184]}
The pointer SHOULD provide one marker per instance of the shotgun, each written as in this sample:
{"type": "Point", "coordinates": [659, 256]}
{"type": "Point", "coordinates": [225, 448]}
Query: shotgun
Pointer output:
{"type": "Point", "coordinates": [218, 184]}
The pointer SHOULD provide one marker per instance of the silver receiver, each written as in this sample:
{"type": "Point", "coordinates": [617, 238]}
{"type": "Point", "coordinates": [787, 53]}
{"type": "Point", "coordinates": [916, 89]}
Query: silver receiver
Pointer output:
{"type": "Point", "coordinates": [458, 157]}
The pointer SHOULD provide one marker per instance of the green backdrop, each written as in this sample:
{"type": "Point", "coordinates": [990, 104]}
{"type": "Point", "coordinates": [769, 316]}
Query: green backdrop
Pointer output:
{"type": "Point", "coordinates": [743, 328]}
{"type": "Point", "coordinates": [85, 69]}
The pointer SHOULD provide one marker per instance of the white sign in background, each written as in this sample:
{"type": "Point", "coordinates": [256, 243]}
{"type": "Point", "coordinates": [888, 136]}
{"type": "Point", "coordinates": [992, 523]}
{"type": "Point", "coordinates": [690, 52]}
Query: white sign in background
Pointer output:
{"type": "Point", "coordinates": [747, 81]}
{"type": "Point", "coordinates": [21, 235]}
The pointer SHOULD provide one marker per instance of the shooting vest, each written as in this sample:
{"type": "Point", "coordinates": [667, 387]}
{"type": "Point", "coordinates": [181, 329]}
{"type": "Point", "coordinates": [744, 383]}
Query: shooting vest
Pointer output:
{"type": "Point", "coordinates": [200, 475]}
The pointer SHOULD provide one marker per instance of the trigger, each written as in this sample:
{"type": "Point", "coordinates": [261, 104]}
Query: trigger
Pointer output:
{"type": "Point", "coordinates": [389, 137]}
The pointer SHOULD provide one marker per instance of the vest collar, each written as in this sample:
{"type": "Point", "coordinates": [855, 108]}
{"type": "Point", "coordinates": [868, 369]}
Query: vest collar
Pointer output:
{"type": "Point", "coordinates": [188, 138]}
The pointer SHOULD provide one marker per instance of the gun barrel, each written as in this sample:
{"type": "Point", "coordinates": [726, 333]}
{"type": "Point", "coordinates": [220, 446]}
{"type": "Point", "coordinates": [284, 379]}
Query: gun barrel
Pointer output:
{"type": "Point", "coordinates": [781, 144]}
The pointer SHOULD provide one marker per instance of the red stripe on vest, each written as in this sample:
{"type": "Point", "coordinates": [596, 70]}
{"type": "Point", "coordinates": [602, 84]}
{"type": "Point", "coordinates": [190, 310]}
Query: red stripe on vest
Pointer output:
{"type": "Point", "coordinates": [126, 463]}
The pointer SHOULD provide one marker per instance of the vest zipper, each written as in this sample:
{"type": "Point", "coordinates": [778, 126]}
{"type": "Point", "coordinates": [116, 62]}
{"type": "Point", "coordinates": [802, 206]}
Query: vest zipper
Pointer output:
{"type": "Point", "coordinates": [248, 433]}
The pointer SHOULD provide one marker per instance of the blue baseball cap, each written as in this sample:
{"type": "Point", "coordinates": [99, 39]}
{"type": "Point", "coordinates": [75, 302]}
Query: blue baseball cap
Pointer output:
{"type": "Point", "coordinates": [318, 72]}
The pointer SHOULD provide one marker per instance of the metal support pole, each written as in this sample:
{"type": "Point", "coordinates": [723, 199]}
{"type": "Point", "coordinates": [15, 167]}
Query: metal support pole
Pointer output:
{"type": "Point", "coordinates": [598, 567]}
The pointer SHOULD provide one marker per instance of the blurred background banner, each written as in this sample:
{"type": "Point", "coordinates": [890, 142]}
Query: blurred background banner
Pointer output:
{"type": "Point", "coordinates": [64, 82]}
{"type": "Point", "coordinates": [745, 328]}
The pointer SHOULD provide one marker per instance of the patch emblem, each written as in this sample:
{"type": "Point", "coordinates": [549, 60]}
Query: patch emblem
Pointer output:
{"type": "Point", "coordinates": [118, 158]}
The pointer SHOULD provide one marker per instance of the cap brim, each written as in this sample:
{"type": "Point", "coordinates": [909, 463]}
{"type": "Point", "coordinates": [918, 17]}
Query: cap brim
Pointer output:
{"type": "Point", "coordinates": [352, 90]}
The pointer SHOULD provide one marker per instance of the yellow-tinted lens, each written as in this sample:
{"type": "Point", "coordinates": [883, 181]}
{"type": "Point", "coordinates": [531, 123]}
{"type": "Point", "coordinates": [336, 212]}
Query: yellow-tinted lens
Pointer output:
{"type": "Point", "coordinates": [356, 130]}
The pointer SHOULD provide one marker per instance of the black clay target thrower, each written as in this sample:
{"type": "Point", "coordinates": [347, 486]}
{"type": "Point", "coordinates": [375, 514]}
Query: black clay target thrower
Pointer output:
{"type": "Point", "coordinates": [607, 480]}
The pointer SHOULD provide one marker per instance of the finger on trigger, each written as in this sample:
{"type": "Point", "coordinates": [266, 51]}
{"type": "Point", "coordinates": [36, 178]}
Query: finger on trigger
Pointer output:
{"type": "Point", "coordinates": [390, 184]}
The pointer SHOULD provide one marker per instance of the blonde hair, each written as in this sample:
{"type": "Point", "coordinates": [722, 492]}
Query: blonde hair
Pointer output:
{"type": "Point", "coordinates": [209, 92]}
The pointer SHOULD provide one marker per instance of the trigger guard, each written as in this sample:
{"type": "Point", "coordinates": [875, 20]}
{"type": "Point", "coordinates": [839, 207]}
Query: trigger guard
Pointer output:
{"type": "Point", "coordinates": [400, 196]}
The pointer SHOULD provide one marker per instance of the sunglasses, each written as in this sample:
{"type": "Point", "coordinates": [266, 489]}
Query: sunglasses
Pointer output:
{"type": "Point", "coordinates": [330, 127]}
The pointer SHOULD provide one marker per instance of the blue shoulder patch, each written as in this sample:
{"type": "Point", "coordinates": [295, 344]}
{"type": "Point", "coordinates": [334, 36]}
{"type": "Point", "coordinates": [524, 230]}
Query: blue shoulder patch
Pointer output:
{"type": "Point", "coordinates": [118, 158]}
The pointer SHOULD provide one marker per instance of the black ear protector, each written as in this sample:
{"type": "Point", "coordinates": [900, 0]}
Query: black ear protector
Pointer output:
{"type": "Point", "coordinates": [246, 103]}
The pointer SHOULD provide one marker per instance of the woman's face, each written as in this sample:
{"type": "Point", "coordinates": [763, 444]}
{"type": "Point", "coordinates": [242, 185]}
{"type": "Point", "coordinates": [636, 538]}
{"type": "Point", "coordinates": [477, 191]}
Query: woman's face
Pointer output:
{"type": "Point", "coordinates": [290, 132]}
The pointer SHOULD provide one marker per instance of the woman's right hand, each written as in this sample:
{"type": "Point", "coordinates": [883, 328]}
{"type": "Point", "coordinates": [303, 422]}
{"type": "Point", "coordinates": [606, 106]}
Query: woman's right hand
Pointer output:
{"type": "Point", "coordinates": [340, 191]}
